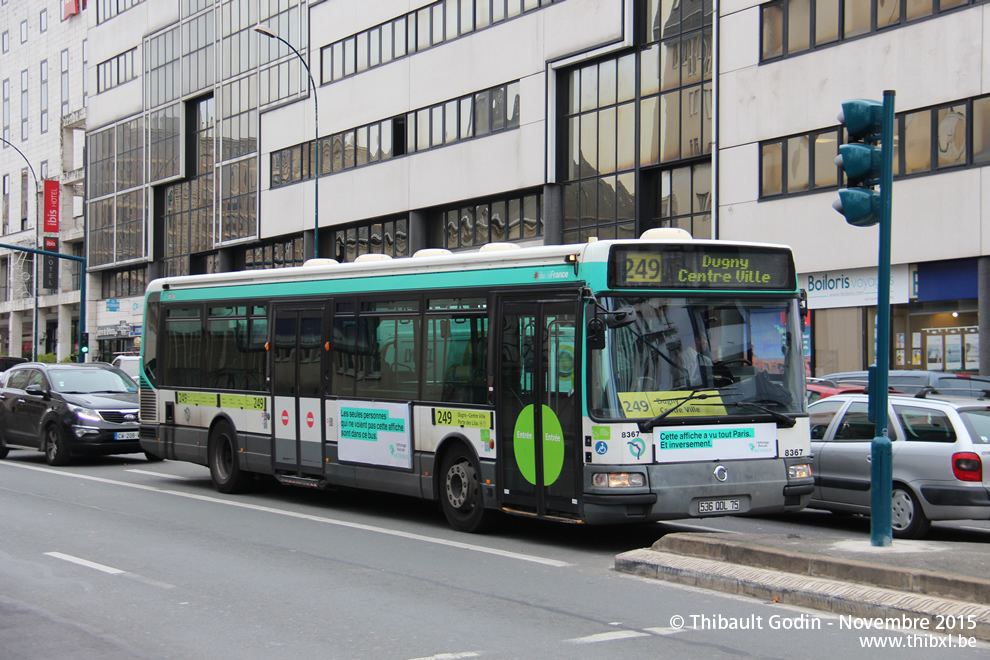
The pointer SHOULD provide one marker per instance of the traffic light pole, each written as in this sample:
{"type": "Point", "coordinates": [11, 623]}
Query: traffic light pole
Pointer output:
{"type": "Point", "coordinates": [881, 463]}
{"type": "Point", "coordinates": [82, 288]}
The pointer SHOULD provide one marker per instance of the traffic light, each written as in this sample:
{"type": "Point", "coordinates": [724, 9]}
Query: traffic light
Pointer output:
{"type": "Point", "coordinates": [84, 343]}
{"type": "Point", "coordinates": [861, 160]}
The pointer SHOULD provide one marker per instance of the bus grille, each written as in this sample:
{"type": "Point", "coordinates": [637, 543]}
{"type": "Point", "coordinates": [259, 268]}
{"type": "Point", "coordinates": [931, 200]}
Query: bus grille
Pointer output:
{"type": "Point", "coordinates": [149, 406]}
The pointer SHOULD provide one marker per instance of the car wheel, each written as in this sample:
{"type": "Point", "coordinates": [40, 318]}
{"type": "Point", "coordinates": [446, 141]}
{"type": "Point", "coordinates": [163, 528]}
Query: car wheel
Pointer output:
{"type": "Point", "coordinates": [4, 450]}
{"type": "Point", "coordinates": [56, 449]}
{"type": "Point", "coordinates": [224, 469]}
{"type": "Point", "coordinates": [908, 520]}
{"type": "Point", "coordinates": [460, 493]}
{"type": "Point", "coordinates": [152, 458]}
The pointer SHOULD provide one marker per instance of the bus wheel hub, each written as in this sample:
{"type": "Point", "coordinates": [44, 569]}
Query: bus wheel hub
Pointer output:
{"type": "Point", "coordinates": [458, 484]}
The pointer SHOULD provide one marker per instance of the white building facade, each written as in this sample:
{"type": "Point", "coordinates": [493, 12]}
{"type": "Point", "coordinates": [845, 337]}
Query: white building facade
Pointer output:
{"type": "Point", "coordinates": [43, 63]}
{"type": "Point", "coordinates": [444, 124]}
{"type": "Point", "coordinates": [785, 68]}
{"type": "Point", "coordinates": [453, 123]}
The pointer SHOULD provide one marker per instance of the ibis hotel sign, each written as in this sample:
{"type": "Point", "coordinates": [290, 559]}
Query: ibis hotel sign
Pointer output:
{"type": "Point", "coordinates": [854, 287]}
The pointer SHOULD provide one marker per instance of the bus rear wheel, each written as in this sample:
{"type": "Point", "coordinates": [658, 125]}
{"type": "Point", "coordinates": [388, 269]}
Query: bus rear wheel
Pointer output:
{"type": "Point", "coordinates": [460, 498]}
{"type": "Point", "coordinates": [224, 468]}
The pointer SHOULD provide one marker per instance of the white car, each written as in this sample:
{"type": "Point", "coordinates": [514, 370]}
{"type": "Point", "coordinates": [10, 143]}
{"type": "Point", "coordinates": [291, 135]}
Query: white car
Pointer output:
{"type": "Point", "coordinates": [939, 446]}
{"type": "Point", "coordinates": [128, 364]}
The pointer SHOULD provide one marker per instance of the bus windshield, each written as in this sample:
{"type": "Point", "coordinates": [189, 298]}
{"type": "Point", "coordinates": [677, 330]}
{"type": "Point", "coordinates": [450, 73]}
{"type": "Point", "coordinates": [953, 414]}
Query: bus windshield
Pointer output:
{"type": "Point", "coordinates": [701, 357]}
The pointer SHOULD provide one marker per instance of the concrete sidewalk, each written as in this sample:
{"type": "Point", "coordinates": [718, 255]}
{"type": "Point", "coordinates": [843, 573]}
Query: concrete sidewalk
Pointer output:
{"type": "Point", "coordinates": [935, 585]}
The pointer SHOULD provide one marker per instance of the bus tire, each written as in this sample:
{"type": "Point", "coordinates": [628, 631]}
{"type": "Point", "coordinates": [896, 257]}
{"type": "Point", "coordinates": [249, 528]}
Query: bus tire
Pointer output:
{"type": "Point", "coordinates": [224, 468]}
{"type": "Point", "coordinates": [460, 493]}
{"type": "Point", "coordinates": [152, 458]}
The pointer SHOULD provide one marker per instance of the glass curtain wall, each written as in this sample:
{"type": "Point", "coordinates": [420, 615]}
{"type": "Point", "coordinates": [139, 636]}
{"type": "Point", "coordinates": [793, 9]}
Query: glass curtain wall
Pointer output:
{"type": "Point", "coordinates": [637, 130]}
{"type": "Point", "coordinates": [201, 154]}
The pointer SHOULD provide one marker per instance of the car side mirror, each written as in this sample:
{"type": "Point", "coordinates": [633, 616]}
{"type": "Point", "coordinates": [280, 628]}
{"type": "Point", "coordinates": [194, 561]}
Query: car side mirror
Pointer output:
{"type": "Point", "coordinates": [37, 390]}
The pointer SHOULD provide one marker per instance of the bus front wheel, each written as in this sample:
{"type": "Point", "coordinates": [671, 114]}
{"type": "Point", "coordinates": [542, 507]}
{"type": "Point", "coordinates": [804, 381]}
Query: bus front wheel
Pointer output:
{"type": "Point", "coordinates": [224, 469]}
{"type": "Point", "coordinates": [460, 496]}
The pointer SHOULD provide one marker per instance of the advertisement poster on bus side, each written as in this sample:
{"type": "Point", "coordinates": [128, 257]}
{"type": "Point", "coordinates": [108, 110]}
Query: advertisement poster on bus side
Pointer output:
{"type": "Point", "coordinates": [682, 444]}
{"type": "Point", "coordinates": [375, 433]}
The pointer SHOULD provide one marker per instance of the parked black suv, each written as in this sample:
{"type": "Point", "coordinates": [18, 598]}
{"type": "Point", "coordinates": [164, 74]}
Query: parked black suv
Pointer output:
{"type": "Point", "coordinates": [69, 410]}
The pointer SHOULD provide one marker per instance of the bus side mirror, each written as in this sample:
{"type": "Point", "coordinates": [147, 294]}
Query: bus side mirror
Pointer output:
{"type": "Point", "coordinates": [595, 334]}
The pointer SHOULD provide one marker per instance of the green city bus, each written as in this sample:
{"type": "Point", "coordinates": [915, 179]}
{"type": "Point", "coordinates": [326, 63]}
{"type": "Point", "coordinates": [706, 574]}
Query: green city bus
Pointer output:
{"type": "Point", "coordinates": [609, 382]}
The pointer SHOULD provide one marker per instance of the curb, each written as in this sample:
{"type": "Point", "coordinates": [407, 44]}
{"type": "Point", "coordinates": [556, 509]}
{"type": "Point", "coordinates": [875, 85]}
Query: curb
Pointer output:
{"type": "Point", "coordinates": [914, 613]}
{"type": "Point", "coordinates": [972, 590]}
{"type": "Point", "coordinates": [906, 600]}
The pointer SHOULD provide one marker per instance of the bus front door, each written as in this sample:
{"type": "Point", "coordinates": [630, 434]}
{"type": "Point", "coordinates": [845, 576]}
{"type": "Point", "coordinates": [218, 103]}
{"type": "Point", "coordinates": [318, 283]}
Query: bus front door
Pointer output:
{"type": "Point", "coordinates": [297, 414]}
{"type": "Point", "coordinates": [538, 406]}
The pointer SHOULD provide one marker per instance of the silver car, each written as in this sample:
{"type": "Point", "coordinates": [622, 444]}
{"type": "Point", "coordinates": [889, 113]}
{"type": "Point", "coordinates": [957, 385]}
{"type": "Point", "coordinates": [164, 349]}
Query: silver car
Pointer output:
{"type": "Point", "coordinates": [938, 445]}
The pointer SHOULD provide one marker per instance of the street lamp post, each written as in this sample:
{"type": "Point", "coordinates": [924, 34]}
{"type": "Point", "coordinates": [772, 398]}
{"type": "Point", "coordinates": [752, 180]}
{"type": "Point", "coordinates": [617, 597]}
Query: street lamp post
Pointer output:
{"type": "Point", "coordinates": [37, 240]}
{"type": "Point", "coordinates": [263, 29]}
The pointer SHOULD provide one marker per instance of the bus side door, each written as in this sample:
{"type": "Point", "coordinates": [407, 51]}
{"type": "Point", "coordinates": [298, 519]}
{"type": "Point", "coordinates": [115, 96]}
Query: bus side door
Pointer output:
{"type": "Point", "coordinates": [297, 413]}
{"type": "Point", "coordinates": [538, 404]}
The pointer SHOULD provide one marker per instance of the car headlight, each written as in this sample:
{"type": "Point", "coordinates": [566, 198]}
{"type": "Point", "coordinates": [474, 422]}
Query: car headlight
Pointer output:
{"type": "Point", "coordinates": [618, 480]}
{"type": "Point", "coordinates": [85, 414]}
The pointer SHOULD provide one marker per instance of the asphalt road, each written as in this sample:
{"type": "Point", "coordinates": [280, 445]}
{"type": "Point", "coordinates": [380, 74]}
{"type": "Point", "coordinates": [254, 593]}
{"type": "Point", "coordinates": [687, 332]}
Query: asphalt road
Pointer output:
{"type": "Point", "coordinates": [120, 558]}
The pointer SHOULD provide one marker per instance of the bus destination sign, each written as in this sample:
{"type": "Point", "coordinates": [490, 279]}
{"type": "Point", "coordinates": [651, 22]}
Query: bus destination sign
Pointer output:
{"type": "Point", "coordinates": [701, 267]}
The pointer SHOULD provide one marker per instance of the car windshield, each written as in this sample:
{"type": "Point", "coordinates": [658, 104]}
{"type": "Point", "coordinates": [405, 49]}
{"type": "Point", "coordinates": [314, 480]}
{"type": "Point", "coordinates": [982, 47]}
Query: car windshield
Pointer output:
{"type": "Point", "coordinates": [726, 355]}
{"type": "Point", "coordinates": [977, 421]}
{"type": "Point", "coordinates": [91, 381]}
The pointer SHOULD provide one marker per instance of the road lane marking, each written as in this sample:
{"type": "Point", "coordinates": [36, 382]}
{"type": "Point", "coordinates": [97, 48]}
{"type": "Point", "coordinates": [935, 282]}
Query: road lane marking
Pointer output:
{"type": "Point", "coordinates": [162, 474]}
{"type": "Point", "coordinates": [110, 569]}
{"type": "Point", "coordinates": [663, 631]}
{"type": "Point", "coordinates": [85, 562]}
{"type": "Point", "coordinates": [450, 656]}
{"type": "Point", "coordinates": [607, 637]}
{"type": "Point", "coordinates": [545, 561]}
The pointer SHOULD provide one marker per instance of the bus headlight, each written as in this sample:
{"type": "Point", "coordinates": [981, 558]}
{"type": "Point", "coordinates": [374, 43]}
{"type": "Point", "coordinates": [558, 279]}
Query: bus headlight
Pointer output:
{"type": "Point", "coordinates": [618, 480]}
{"type": "Point", "coordinates": [799, 471]}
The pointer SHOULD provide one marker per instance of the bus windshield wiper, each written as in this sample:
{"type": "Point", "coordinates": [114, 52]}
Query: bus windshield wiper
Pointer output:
{"type": "Point", "coordinates": [648, 425]}
{"type": "Point", "coordinates": [783, 420]}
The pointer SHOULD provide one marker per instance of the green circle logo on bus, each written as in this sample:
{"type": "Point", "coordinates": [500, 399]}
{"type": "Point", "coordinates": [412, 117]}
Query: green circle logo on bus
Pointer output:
{"type": "Point", "coordinates": [524, 445]}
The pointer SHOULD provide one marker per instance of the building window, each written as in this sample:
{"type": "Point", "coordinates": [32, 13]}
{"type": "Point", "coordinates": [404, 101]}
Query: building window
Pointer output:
{"type": "Point", "coordinates": [65, 77]}
{"type": "Point", "coordinates": [44, 96]}
{"type": "Point", "coordinates": [24, 105]}
{"type": "Point", "coordinates": [64, 58]}
{"type": "Point", "coordinates": [24, 199]}
{"type": "Point", "coordinates": [24, 32]}
{"type": "Point", "coordinates": [123, 283]}
{"type": "Point", "coordinates": [926, 141]}
{"type": "Point", "coordinates": [474, 115]}
{"type": "Point", "coordinates": [792, 27]}
{"type": "Point", "coordinates": [684, 199]}
{"type": "Point", "coordinates": [415, 32]}
{"type": "Point", "coordinates": [383, 236]}
{"type": "Point", "coordinates": [6, 111]}
{"type": "Point", "coordinates": [43, 20]}
{"type": "Point", "coordinates": [115, 71]}
{"type": "Point", "coordinates": [5, 39]}
{"type": "Point", "coordinates": [107, 9]}
{"type": "Point", "coordinates": [6, 207]}
{"type": "Point", "coordinates": [473, 224]}
{"type": "Point", "coordinates": [280, 254]}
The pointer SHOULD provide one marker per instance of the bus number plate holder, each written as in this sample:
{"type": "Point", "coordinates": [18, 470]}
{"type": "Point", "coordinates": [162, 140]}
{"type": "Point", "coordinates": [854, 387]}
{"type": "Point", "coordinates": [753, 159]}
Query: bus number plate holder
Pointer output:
{"type": "Point", "coordinates": [718, 506]}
